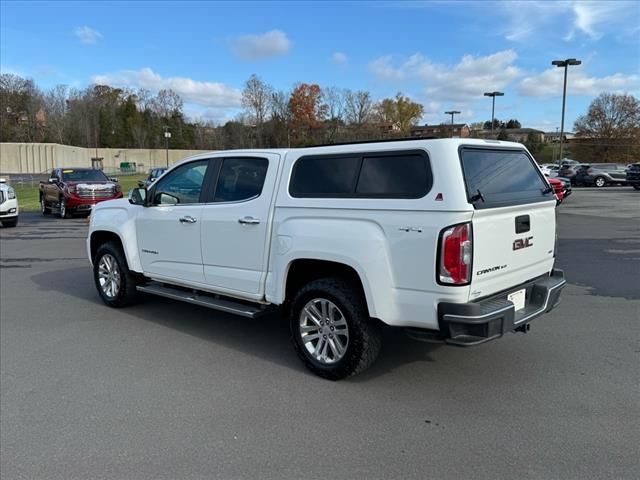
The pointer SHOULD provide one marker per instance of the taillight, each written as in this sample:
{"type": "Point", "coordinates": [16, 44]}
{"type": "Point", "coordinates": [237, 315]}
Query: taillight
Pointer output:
{"type": "Point", "coordinates": [456, 254]}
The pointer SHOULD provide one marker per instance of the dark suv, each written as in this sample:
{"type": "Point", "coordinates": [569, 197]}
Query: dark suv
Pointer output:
{"type": "Point", "coordinates": [569, 170]}
{"type": "Point", "coordinates": [633, 176]}
{"type": "Point", "coordinates": [600, 174]}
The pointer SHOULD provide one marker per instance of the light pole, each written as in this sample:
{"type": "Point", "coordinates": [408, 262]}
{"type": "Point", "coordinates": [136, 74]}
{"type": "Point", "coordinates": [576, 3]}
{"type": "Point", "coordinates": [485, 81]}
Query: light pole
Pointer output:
{"type": "Point", "coordinates": [564, 64]}
{"type": "Point", "coordinates": [493, 96]}
{"type": "Point", "coordinates": [452, 113]}
{"type": "Point", "coordinates": [167, 136]}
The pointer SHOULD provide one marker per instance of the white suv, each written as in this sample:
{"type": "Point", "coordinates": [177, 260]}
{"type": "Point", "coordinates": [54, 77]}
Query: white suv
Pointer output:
{"type": "Point", "coordinates": [8, 205]}
{"type": "Point", "coordinates": [453, 239]}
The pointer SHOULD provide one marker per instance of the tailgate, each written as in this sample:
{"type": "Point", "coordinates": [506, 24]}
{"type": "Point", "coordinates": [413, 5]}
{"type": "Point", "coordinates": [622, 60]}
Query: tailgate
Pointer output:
{"type": "Point", "coordinates": [511, 245]}
{"type": "Point", "coordinates": [514, 224]}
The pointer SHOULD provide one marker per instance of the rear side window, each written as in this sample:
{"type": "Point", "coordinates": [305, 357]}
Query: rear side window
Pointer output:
{"type": "Point", "coordinates": [366, 175]}
{"type": "Point", "coordinates": [499, 178]}
{"type": "Point", "coordinates": [240, 179]}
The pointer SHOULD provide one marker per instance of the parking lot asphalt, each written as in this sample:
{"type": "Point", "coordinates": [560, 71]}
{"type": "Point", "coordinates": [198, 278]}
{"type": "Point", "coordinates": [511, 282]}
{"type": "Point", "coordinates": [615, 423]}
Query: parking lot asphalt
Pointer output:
{"type": "Point", "coordinates": [165, 390]}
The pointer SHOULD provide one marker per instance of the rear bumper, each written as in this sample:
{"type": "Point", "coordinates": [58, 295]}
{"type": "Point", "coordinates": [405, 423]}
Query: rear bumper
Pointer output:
{"type": "Point", "coordinates": [467, 324]}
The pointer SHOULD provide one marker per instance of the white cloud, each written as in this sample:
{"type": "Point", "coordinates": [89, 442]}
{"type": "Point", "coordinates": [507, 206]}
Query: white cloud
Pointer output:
{"type": "Point", "coordinates": [550, 82]}
{"type": "Point", "coordinates": [592, 19]}
{"type": "Point", "coordinates": [339, 58]}
{"type": "Point", "coordinates": [87, 34]}
{"type": "Point", "coordinates": [464, 82]}
{"type": "Point", "coordinates": [205, 94]}
{"type": "Point", "coordinates": [256, 47]}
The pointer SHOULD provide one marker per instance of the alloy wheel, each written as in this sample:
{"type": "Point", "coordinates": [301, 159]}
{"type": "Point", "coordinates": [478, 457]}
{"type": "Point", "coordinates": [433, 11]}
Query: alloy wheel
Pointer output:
{"type": "Point", "coordinates": [109, 275]}
{"type": "Point", "coordinates": [324, 331]}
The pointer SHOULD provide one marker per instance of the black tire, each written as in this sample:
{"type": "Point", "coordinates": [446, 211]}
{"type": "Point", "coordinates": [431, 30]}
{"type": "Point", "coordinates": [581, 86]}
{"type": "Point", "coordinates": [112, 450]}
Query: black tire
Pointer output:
{"type": "Point", "coordinates": [637, 187]}
{"type": "Point", "coordinates": [364, 340]}
{"type": "Point", "coordinates": [126, 293]}
{"type": "Point", "coordinates": [63, 212]}
{"type": "Point", "coordinates": [10, 223]}
{"type": "Point", "coordinates": [43, 206]}
{"type": "Point", "coordinates": [599, 182]}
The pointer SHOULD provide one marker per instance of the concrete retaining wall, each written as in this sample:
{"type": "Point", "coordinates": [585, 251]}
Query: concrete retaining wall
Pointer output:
{"type": "Point", "coordinates": [41, 157]}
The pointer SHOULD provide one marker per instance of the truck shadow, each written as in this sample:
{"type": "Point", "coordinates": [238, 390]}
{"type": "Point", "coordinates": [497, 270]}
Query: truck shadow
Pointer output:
{"type": "Point", "coordinates": [266, 337]}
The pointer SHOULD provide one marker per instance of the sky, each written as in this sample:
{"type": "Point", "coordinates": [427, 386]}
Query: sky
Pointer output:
{"type": "Point", "coordinates": [443, 54]}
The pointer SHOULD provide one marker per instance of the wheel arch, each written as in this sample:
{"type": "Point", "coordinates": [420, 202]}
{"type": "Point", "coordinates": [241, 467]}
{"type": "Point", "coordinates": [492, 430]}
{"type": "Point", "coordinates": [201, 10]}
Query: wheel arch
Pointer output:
{"type": "Point", "coordinates": [301, 271]}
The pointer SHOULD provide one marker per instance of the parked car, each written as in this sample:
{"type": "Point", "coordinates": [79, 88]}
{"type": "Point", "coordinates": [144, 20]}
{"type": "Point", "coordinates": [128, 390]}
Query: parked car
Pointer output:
{"type": "Point", "coordinates": [8, 205]}
{"type": "Point", "coordinates": [410, 233]}
{"type": "Point", "coordinates": [633, 176]}
{"type": "Point", "coordinates": [601, 174]}
{"type": "Point", "coordinates": [569, 170]}
{"type": "Point", "coordinates": [154, 174]}
{"type": "Point", "coordinates": [76, 190]}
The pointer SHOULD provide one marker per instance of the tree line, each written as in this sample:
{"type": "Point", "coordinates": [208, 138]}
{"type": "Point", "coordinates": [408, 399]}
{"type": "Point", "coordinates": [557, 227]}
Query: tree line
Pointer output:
{"type": "Point", "coordinates": [105, 116]}
{"type": "Point", "coordinates": [109, 117]}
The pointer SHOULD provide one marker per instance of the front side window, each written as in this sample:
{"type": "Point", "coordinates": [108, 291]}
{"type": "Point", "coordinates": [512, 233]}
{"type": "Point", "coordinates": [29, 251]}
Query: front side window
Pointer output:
{"type": "Point", "coordinates": [240, 179]}
{"type": "Point", "coordinates": [182, 185]}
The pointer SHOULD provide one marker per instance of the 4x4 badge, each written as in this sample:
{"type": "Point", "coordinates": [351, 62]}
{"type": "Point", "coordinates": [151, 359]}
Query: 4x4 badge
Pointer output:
{"type": "Point", "coordinates": [520, 243]}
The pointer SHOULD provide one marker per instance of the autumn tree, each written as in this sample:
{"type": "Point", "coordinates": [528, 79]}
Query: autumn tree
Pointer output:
{"type": "Point", "coordinates": [307, 110]}
{"type": "Point", "coordinates": [400, 111]}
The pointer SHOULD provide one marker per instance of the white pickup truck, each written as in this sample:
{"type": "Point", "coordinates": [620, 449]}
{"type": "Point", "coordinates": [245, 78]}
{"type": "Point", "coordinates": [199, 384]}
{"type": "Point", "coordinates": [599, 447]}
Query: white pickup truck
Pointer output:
{"type": "Point", "coordinates": [452, 239]}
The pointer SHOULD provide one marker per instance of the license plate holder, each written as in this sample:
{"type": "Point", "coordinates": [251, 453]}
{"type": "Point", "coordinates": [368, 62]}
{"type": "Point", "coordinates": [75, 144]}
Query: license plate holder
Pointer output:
{"type": "Point", "coordinates": [518, 299]}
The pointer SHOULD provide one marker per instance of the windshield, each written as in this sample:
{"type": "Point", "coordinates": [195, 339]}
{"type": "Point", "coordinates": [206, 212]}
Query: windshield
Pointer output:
{"type": "Point", "coordinates": [499, 178]}
{"type": "Point", "coordinates": [84, 175]}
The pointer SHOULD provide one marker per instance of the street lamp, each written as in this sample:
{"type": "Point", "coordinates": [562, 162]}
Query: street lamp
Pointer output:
{"type": "Point", "coordinates": [564, 64]}
{"type": "Point", "coordinates": [452, 113]}
{"type": "Point", "coordinates": [167, 136]}
{"type": "Point", "coordinates": [493, 95]}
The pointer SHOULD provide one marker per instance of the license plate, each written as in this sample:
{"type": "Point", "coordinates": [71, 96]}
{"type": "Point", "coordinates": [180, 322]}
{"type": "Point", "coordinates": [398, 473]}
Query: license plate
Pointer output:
{"type": "Point", "coordinates": [517, 298]}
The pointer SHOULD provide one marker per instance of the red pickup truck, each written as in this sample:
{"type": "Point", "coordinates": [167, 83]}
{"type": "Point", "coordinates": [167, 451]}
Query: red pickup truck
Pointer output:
{"type": "Point", "coordinates": [76, 190]}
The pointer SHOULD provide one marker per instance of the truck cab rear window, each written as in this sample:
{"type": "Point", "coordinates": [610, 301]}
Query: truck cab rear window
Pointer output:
{"type": "Point", "coordinates": [500, 178]}
{"type": "Point", "coordinates": [365, 175]}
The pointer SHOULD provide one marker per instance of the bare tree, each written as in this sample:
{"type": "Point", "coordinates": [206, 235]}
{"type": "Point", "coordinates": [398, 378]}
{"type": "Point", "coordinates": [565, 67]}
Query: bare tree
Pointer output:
{"type": "Point", "coordinates": [255, 99]}
{"type": "Point", "coordinates": [359, 107]}
{"type": "Point", "coordinates": [55, 102]}
{"type": "Point", "coordinates": [335, 100]}
{"type": "Point", "coordinates": [167, 104]}
{"type": "Point", "coordinates": [280, 118]}
{"type": "Point", "coordinates": [610, 130]}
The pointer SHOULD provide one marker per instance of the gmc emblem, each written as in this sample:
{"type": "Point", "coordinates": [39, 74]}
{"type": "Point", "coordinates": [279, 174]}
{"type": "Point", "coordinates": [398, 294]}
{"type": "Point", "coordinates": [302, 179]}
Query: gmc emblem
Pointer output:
{"type": "Point", "coordinates": [520, 243]}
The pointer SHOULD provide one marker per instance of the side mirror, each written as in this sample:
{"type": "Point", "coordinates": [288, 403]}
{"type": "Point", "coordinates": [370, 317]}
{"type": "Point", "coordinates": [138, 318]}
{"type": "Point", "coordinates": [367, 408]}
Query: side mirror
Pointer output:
{"type": "Point", "coordinates": [114, 179]}
{"type": "Point", "coordinates": [140, 184]}
{"type": "Point", "coordinates": [137, 196]}
{"type": "Point", "coordinates": [53, 180]}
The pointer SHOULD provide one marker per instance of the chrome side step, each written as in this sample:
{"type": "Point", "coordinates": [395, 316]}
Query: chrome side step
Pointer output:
{"type": "Point", "coordinates": [205, 300]}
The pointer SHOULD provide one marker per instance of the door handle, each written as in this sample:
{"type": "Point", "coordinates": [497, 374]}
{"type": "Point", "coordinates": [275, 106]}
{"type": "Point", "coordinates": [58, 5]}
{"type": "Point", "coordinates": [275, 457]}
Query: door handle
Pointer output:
{"type": "Point", "coordinates": [187, 219]}
{"type": "Point", "coordinates": [249, 221]}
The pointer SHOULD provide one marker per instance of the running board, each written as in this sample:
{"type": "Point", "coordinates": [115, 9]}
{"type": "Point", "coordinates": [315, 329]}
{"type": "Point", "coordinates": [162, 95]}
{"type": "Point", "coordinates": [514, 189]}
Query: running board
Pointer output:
{"type": "Point", "coordinates": [205, 300]}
